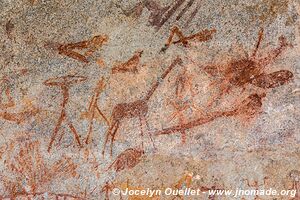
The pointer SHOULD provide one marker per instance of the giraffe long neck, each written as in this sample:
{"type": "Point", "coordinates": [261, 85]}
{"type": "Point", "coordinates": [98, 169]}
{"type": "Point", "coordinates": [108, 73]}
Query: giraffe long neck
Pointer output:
{"type": "Point", "coordinates": [162, 77]}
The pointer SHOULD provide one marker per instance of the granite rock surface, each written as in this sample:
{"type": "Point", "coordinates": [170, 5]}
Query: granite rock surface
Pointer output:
{"type": "Point", "coordinates": [199, 94]}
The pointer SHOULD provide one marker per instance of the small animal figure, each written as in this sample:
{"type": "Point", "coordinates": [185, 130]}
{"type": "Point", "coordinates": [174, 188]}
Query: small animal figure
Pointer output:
{"type": "Point", "coordinates": [127, 159]}
{"type": "Point", "coordinates": [201, 36]}
{"type": "Point", "coordinates": [68, 49]}
{"type": "Point", "coordinates": [129, 66]}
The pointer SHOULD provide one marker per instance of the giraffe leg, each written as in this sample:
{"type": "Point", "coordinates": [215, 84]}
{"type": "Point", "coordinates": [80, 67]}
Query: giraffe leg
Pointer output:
{"type": "Point", "coordinates": [142, 132]}
{"type": "Point", "coordinates": [113, 137]}
{"type": "Point", "coordinates": [143, 120]}
{"type": "Point", "coordinates": [107, 136]}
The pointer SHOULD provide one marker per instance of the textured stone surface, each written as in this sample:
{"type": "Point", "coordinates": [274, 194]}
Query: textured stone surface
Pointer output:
{"type": "Point", "coordinates": [225, 116]}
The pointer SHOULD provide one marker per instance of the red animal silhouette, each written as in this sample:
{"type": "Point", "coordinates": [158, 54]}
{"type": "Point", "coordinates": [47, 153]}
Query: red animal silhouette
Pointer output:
{"type": "Point", "coordinates": [247, 108]}
{"type": "Point", "coordinates": [127, 159]}
{"type": "Point", "coordinates": [249, 70]}
{"type": "Point", "coordinates": [129, 66]}
{"type": "Point", "coordinates": [201, 36]}
{"type": "Point", "coordinates": [134, 109]}
{"type": "Point", "coordinates": [68, 49]}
